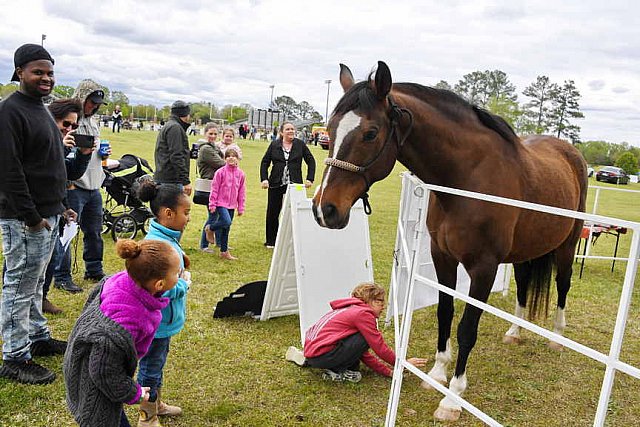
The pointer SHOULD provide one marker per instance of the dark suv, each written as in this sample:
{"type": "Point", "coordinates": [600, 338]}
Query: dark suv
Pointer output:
{"type": "Point", "coordinates": [613, 175]}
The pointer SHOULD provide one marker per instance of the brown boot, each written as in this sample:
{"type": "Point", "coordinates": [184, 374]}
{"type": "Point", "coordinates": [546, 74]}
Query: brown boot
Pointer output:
{"type": "Point", "coordinates": [149, 415]}
{"type": "Point", "coordinates": [168, 410]}
{"type": "Point", "coordinates": [48, 307]}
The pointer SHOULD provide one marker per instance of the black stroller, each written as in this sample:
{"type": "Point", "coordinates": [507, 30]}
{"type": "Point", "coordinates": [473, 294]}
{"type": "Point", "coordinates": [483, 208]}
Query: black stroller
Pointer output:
{"type": "Point", "coordinates": [124, 214]}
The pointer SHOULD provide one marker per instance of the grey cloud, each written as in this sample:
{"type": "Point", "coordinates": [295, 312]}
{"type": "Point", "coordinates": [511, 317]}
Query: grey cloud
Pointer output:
{"type": "Point", "coordinates": [596, 84]}
{"type": "Point", "coordinates": [619, 89]}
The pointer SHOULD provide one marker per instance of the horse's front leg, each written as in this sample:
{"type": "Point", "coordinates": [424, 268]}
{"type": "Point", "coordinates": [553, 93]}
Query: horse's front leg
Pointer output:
{"type": "Point", "coordinates": [446, 270]}
{"type": "Point", "coordinates": [482, 278]}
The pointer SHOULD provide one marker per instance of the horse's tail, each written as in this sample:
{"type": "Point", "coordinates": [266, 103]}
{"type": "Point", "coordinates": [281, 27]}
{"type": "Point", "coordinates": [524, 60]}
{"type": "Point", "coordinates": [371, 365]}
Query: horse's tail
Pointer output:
{"type": "Point", "coordinates": [540, 272]}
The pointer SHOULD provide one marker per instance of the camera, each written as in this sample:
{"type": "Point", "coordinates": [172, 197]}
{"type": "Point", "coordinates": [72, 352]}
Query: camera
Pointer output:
{"type": "Point", "coordinates": [84, 141]}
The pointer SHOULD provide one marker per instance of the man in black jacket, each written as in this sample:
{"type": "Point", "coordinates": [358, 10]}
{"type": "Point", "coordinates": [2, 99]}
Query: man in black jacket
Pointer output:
{"type": "Point", "coordinates": [32, 190]}
{"type": "Point", "coordinates": [172, 149]}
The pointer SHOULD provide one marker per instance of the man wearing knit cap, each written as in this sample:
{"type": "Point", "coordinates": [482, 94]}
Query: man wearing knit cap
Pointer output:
{"type": "Point", "coordinates": [172, 149]}
{"type": "Point", "coordinates": [32, 191]}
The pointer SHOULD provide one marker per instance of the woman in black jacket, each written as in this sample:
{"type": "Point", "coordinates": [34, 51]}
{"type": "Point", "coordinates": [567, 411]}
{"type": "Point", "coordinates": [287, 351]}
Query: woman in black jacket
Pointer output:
{"type": "Point", "coordinates": [285, 154]}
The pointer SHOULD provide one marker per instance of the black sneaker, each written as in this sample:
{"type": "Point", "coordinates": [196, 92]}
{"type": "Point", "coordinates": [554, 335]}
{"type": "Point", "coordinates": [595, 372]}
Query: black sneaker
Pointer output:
{"type": "Point", "coordinates": [27, 372]}
{"type": "Point", "coordinates": [68, 286]}
{"type": "Point", "coordinates": [48, 347]}
{"type": "Point", "coordinates": [94, 277]}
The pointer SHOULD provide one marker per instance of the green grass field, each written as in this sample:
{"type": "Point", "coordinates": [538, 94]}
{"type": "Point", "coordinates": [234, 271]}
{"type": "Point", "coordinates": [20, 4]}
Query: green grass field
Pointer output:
{"type": "Point", "coordinates": [232, 372]}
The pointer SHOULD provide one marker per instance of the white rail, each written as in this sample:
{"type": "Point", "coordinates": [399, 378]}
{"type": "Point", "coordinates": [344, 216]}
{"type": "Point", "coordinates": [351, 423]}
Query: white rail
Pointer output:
{"type": "Point", "coordinates": [402, 333]}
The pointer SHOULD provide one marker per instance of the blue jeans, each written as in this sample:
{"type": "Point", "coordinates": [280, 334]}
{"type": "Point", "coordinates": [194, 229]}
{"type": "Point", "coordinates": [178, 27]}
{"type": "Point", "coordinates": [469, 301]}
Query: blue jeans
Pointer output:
{"type": "Point", "coordinates": [26, 256]}
{"type": "Point", "coordinates": [211, 219]}
{"type": "Point", "coordinates": [88, 206]}
{"type": "Point", "coordinates": [151, 365]}
{"type": "Point", "coordinates": [223, 223]}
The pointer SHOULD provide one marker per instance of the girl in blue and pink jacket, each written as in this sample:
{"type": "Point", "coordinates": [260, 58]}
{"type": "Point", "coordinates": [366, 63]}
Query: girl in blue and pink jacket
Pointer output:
{"type": "Point", "coordinates": [227, 195]}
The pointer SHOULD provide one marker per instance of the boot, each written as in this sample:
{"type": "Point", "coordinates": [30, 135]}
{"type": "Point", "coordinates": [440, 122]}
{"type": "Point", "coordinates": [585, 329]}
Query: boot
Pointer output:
{"type": "Point", "coordinates": [149, 415]}
{"type": "Point", "coordinates": [49, 307]}
{"type": "Point", "coordinates": [168, 410]}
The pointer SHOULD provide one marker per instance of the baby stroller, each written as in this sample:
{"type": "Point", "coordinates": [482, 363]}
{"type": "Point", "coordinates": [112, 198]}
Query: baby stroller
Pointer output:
{"type": "Point", "coordinates": [124, 214]}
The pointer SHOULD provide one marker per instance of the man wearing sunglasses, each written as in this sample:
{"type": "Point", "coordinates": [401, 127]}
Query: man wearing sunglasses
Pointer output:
{"type": "Point", "coordinates": [65, 113]}
{"type": "Point", "coordinates": [33, 181]}
{"type": "Point", "coordinates": [84, 193]}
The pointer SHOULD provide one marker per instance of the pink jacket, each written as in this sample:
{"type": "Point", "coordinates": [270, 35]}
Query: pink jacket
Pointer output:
{"type": "Point", "coordinates": [227, 189]}
{"type": "Point", "coordinates": [349, 315]}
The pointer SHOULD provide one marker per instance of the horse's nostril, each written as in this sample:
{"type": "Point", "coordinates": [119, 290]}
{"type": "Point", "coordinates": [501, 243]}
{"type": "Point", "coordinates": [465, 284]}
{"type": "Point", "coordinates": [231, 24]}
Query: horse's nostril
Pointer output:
{"type": "Point", "coordinates": [329, 211]}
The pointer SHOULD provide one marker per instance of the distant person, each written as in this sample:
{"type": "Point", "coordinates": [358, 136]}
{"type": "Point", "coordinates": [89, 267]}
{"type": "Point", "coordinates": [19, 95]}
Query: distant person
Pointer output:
{"type": "Point", "coordinates": [65, 113]}
{"type": "Point", "coordinates": [342, 338]}
{"type": "Point", "coordinates": [172, 209]}
{"type": "Point", "coordinates": [172, 149]}
{"type": "Point", "coordinates": [116, 329]}
{"type": "Point", "coordinates": [116, 117]}
{"type": "Point", "coordinates": [31, 204]}
{"type": "Point", "coordinates": [193, 130]}
{"type": "Point", "coordinates": [227, 195]}
{"type": "Point", "coordinates": [228, 142]}
{"type": "Point", "coordinates": [210, 159]}
{"type": "Point", "coordinates": [85, 197]}
{"type": "Point", "coordinates": [285, 156]}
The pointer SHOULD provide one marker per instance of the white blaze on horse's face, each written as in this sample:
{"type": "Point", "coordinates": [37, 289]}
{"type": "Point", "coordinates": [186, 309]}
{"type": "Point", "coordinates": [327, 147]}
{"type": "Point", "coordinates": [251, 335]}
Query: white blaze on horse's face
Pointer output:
{"type": "Point", "coordinates": [348, 122]}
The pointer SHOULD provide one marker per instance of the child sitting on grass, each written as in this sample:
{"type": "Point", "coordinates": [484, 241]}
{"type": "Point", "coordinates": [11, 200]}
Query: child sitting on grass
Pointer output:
{"type": "Point", "coordinates": [343, 336]}
{"type": "Point", "coordinates": [114, 330]}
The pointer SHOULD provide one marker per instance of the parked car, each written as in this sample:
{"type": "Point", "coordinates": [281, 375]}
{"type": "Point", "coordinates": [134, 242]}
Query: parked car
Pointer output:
{"type": "Point", "coordinates": [324, 141]}
{"type": "Point", "coordinates": [590, 171]}
{"type": "Point", "coordinates": [613, 175]}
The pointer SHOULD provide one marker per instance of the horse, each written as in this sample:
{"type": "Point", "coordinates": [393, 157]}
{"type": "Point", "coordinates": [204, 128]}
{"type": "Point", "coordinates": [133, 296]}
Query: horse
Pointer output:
{"type": "Point", "coordinates": [444, 140]}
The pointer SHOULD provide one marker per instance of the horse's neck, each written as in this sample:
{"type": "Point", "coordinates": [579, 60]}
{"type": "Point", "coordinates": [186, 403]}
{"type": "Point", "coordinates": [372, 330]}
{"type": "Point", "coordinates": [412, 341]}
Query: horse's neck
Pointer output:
{"type": "Point", "coordinates": [440, 151]}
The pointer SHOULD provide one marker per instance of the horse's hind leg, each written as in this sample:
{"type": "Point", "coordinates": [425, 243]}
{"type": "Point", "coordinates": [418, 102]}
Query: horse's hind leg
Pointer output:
{"type": "Point", "coordinates": [447, 272]}
{"type": "Point", "coordinates": [564, 267]}
{"type": "Point", "coordinates": [522, 273]}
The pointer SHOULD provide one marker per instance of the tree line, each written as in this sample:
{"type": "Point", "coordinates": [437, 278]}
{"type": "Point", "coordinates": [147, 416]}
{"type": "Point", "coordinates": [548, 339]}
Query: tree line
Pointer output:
{"type": "Point", "coordinates": [550, 108]}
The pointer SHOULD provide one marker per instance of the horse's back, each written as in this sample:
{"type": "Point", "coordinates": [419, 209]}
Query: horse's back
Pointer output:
{"type": "Point", "coordinates": [555, 171]}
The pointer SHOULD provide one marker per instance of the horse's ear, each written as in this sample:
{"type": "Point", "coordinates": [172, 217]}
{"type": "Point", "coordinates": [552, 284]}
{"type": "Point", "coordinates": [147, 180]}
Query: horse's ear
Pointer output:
{"type": "Point", "coordinates": [346, 78]}
{"type": "Point", "coordinates": [382, 82]}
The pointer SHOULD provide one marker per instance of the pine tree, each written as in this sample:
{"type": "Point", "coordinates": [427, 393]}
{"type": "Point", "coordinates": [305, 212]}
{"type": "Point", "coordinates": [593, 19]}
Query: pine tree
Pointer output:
{"type": "Point", "coordinates": [537, 111]}
{"type": "Point", "coordinates": [565, 108]}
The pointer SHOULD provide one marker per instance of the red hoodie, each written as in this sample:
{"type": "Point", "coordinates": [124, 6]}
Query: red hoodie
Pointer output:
{"type": "Point", "coordinates": [349, 315]}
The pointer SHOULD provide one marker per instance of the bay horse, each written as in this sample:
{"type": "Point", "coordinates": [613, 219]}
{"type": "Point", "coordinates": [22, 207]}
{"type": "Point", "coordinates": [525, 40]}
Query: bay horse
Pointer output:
{"type": "Point", "coordinates": [444, 140]}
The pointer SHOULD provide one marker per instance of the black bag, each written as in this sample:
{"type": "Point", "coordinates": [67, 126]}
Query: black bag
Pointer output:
{"type": "Point", "coordinates": [201, 198]}
{"type": "Point", "coordinates": [246, 301]}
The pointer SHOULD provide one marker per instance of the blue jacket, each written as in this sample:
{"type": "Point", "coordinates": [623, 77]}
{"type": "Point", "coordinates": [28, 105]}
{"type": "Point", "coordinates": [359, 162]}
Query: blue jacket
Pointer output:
{"type": "Point", "coordinates": [173, 315]}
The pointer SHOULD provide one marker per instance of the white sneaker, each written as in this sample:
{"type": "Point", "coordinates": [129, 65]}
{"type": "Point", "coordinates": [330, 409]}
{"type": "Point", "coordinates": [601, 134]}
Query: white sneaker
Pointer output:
{"type": "Point", "coordinates": [294, 355]}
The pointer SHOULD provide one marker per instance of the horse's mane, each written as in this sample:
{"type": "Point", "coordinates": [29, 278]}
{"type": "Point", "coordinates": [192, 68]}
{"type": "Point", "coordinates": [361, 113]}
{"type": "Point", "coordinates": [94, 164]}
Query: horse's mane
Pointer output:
{"type": "Point", "coordinates": [361, 97]}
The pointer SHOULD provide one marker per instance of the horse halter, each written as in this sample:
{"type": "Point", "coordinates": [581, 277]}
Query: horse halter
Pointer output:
{"type": "Point", "coordinates": [394, 116]}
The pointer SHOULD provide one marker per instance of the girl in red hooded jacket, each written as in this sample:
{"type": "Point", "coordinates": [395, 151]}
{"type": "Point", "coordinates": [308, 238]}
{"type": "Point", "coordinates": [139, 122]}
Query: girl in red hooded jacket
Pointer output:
{"type": "Point", "coordinates": [343, 337]}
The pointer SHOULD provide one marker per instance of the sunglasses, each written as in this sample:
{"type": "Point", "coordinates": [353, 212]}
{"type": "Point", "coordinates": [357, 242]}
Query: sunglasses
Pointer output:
{"type": "Point", "coordinates": [66, 124]}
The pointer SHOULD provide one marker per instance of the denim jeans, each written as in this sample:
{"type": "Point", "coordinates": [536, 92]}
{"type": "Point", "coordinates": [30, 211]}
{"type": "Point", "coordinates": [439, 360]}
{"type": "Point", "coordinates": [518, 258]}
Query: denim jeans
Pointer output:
{"type": "Point", "coordinates": [151, 365]}
{"type": "Point", "coordinates": [223, 223]}
{"type": "Point", "coordinates": [88, 206]}
{"type": "Point", "coordinates": [211, 219]}
{"type": "Point", "coordinates": [26, 256]}
{"type": "Point", "coordinates": [58, 254]}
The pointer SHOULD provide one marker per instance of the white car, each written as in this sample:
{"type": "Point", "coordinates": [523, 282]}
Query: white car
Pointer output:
{"type": "Point", "coordinates": [590, 171]}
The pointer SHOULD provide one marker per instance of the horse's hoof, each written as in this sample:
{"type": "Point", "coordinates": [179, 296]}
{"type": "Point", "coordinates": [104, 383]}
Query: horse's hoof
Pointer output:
{"type": "Point", "coordinates": [425, 385]}
{"type": "Point", "coordinates": [447, 414]}
{"type": "Point", "coordinates": [555, 346]}
{"type": "Point", "coordinates": [509, 339]}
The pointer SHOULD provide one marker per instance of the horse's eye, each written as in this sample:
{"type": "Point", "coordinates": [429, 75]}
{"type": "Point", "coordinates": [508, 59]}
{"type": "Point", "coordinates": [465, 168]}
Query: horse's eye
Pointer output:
{"type": "Point", "coordinates": [370, 135]}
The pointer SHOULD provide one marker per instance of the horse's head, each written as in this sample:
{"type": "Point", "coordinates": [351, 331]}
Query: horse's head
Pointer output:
{"type": "Point", "coordinates": [363, 148]}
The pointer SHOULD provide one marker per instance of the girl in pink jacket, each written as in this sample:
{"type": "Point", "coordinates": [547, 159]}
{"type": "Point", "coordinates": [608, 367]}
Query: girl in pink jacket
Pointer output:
{"type": "Point", "coordinates": [342, 338]}
{"type": "Point", "coordinates": [227, 195]}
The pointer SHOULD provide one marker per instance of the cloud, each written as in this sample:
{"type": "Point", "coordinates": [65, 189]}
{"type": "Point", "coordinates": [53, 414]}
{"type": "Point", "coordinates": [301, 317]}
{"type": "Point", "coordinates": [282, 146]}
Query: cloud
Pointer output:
{"type": "Point", "coordinates": [231, 51]}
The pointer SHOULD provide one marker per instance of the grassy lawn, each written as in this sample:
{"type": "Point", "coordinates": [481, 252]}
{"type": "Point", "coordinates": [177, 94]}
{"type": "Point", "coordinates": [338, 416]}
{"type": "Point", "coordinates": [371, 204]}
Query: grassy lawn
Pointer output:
{"type": "Point", "coordinates": [231, 372]}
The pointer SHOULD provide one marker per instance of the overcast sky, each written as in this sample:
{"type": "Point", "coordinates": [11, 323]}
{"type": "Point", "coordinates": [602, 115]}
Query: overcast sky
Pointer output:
{"type": "Point", "coordinates": [231, 52]}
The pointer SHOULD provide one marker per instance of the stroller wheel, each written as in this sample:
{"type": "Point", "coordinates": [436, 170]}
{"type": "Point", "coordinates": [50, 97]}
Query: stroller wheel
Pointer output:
{"type": "Point", "coordinates": [124, 227]}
